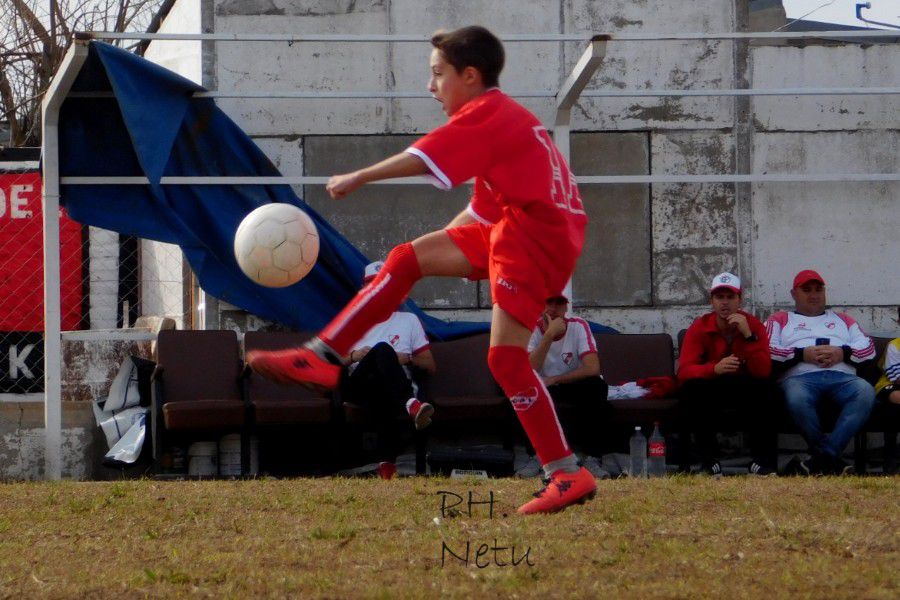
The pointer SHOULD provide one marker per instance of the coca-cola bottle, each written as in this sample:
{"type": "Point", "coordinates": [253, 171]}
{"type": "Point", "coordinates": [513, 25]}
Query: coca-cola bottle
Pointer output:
{"type": "Point", "coordinates": [656, 455]}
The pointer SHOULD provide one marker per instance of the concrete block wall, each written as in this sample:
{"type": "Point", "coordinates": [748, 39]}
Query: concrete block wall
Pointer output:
{"type": "Point", "coordinates": [104, 277]}
{"type": "Point", "coordinates": [846, 230]}
{"type": "Point", "coordinates": [651, 249]}
{"type": "Point", "coordinates": [88, 370]}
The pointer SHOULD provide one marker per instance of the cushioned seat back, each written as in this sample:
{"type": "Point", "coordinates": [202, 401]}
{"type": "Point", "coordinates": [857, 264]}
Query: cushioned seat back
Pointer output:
{"type": "Point", "coordinates": [880, 345]}
{"type": "Point", "coordinates": [199, 365]}
{"type": "Point", "coordinates": [260, 387]}
{"type": "Point", "coordinates": [871, 371]}
{"type": "Point", "coordinates": [462, 369]}
{"type": "Point", "coordinates": [629, 357]}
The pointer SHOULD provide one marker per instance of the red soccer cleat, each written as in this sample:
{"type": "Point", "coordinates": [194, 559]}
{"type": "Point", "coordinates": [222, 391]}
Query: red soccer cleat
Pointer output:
{"type": "Point", "coordinates": [563, 490]}
{"type": "Point", "coordinates": [297, 365]}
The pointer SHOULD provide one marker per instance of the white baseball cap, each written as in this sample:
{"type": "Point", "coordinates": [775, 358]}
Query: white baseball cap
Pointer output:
{"type": "Point", "coordinates": [726, 280]}
{"type": "Point", "coordinates": [372, 270]}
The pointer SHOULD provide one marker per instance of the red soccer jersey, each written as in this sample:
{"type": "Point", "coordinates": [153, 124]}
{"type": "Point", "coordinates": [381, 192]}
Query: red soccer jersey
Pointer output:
{"type": "Point", "coordinates": [515, 164]}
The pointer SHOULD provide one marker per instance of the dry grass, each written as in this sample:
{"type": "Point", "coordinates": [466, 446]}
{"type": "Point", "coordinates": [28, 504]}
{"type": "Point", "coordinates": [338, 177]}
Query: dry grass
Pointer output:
{"type": "Point", "coordinates": [676, 538]}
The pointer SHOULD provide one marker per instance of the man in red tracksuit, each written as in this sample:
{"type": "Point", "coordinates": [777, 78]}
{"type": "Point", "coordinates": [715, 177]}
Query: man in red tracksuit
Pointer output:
{"type": "Point", "coordinates": [724, 365]}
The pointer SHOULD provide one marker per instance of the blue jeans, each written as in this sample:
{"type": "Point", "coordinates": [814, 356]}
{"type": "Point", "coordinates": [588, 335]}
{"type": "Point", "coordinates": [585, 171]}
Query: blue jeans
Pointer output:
{"type": "Point", "coordinates": [853, 395]}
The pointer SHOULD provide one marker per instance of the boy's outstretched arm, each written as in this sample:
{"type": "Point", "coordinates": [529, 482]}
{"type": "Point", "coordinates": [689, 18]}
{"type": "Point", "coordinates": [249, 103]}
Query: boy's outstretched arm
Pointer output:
{"type": "Point", "coordinates": [399, 165]}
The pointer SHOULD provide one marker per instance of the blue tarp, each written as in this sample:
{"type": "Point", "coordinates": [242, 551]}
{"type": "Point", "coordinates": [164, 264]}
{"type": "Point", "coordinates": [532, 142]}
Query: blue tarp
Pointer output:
{"type": "Point", "coordinates": [153, 127]}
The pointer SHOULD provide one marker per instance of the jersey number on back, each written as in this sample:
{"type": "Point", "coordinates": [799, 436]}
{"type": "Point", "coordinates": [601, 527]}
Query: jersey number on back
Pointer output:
{"type": "Point", "coordinates": [563, 189]}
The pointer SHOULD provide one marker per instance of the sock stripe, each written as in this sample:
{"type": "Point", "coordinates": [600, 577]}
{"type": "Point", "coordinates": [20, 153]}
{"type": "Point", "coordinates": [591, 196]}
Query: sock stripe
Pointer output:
{"type": "Point", "coordinates": [559, 428]}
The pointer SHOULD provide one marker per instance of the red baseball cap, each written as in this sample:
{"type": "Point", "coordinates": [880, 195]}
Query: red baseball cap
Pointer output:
{"type": "Point", "coordinates": [807, 275]}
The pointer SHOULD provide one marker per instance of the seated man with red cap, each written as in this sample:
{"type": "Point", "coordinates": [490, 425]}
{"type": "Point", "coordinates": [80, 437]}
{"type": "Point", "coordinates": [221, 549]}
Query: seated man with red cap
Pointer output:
{"type": "Point", "coordinates": [378, 372]}
{"type": "Point", "coordinates": [724, 365]}
{"type": "Point", "coordinates": [563, 353]}
{"type": "Point", "coordinates": [817, 352]}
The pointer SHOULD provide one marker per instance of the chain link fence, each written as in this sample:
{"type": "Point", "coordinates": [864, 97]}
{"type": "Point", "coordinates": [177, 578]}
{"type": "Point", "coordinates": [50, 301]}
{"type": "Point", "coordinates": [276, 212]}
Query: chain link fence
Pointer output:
{"type": "Point", "coordinates": [107, 281]}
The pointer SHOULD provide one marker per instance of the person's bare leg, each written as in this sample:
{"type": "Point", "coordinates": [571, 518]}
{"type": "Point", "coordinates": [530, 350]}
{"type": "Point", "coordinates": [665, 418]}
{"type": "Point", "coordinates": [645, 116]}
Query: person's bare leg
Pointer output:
{"type": "Point", "coordinates": [438, 256]}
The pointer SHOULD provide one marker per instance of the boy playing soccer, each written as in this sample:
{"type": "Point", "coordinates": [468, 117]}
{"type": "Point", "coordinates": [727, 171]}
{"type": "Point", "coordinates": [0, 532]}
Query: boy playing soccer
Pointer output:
{"type": "Point", "coordinates": [523, 230]}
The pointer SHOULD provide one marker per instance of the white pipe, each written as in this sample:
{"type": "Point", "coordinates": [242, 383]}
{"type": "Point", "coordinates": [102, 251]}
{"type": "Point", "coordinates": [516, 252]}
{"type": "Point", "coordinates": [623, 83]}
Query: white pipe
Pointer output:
{"type": "Point", "coordinates": [52, 104]}
{"type": "Point", "coordinates": [804, 91]}
{"type": "Point", "coordinates": [566, 98]}
{"type": "Point", "coordinates": [512, 37]}
{"type": "Point", "coordinates": [586, 179]}
{"type": "Point", "coordinates": [104, 335]}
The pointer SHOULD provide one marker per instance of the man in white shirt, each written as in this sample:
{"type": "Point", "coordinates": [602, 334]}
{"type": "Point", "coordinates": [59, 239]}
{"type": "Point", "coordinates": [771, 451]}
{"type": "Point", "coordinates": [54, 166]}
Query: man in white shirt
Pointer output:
{"type": "Point", "coordinates": [818, 352]}
{"type": "Point", "coordinates": [563, 352]}
{"type": "Point", "coordinates": [379, 372]}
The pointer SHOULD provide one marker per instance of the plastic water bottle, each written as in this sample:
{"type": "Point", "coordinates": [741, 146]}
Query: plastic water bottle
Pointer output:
{"type": "Point", "coordinates": [656, 456]}
{"type": "Point", "coordinates": [638, 445]}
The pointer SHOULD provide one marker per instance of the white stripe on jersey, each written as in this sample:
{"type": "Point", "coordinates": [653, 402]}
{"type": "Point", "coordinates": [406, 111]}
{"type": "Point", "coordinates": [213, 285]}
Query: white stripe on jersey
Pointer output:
{"type": "Point", "coordinates": [440, 180]}
{"type": "Point", "coordinates": [799, 331]}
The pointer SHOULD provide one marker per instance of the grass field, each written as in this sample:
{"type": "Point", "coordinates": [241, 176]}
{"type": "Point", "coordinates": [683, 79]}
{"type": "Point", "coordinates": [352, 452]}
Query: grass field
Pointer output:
{"type": "Point", "coordinates": [682, 537]}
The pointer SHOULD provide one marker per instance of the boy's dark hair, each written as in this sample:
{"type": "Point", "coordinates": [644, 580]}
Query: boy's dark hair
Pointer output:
{"type": "Point", "coordinates": [472, 46]}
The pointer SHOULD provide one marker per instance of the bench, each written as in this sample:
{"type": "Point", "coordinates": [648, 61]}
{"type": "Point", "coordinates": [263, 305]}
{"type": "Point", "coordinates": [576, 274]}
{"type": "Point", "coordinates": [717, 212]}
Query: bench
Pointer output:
{"type": "Point", "coordinates": [198, 388]}
{"type": "Point", "coordinates": [884, 419]}
{"type": "Point", "coordinates": [629, 357]}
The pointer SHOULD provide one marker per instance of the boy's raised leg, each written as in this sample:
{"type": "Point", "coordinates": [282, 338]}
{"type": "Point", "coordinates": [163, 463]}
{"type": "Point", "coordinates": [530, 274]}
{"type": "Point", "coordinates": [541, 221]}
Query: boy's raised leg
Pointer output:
{"type": "Point", "coordinates": [318, 363]}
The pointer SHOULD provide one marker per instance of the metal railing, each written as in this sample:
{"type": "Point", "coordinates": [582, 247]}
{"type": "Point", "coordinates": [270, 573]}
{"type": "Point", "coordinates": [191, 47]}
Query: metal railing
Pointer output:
{"type": "Point", "coordinates": [570, 91]}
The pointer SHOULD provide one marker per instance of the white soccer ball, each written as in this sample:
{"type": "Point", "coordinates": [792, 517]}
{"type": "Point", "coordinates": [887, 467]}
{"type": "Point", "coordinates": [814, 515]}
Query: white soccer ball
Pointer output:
{"type": "Point", "coordinates": [276, 245]}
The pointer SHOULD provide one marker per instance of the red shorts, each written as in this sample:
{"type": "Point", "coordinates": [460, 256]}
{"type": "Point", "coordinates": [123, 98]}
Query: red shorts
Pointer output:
{"type": "Point", "coordinates": [522, 274]}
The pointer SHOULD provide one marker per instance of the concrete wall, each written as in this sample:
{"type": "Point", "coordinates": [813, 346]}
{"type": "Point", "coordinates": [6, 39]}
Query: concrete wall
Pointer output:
{"type": "Point", "coordinates": [88, 370]}
{"type": "Point", "coordinates": [162, 265]}
{"type": "Point", "coordinates": [183, 57]}
{"type": "Point", "coordinates": [651, 249]}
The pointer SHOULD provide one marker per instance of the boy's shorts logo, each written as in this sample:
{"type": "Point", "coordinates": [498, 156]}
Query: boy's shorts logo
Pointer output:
{"type": "Point", "coordinates": [503, 282]}
{"type": "Point", "coordinates": [524, 400]}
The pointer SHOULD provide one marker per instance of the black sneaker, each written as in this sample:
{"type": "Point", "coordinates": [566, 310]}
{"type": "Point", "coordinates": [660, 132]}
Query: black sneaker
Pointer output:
{"type": "Point", "coordinates": [713, 469]}
{"type": "Point", "coordinates": [821, 464]}
{"type": "Point", "coordinates": [756, 468]}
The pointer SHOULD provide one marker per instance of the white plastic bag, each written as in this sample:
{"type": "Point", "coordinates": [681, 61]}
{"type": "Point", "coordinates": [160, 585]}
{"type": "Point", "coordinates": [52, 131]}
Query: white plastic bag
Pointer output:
{"type": "Point", "coordinates": [128, 448]}
{"type": "Point", "coordinates": [124, 392]}
{"type": "Point", "coordinates": [628, 390]}
{"type": "Point", "coordinates": [116, 425]}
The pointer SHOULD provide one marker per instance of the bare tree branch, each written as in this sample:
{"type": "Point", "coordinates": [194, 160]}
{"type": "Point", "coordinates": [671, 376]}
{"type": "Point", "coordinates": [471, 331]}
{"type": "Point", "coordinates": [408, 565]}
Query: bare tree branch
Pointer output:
{"type": "Point", "coordinates": [30, 53]}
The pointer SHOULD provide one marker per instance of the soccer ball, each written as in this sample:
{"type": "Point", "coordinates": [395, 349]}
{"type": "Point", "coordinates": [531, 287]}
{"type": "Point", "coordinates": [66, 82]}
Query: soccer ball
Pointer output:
{"type": "Point", "coordinates": [276, 245]}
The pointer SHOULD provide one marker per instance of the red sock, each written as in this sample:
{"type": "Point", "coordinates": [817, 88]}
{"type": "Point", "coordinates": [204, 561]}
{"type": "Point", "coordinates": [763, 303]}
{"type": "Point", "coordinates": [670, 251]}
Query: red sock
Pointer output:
{"type": "Point", "coordinates": [376, 301]}
{"type": "Point", "coordinates": [530, 399]}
